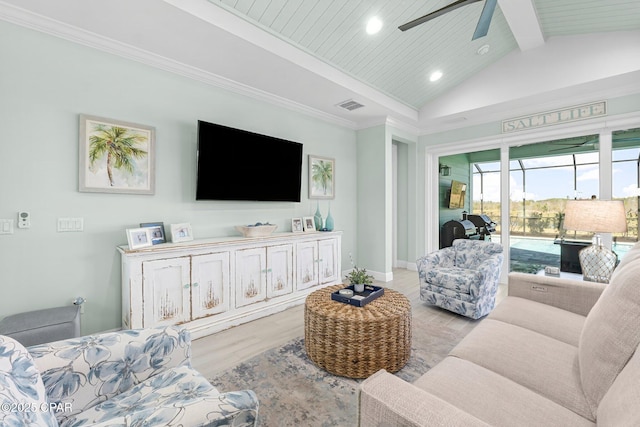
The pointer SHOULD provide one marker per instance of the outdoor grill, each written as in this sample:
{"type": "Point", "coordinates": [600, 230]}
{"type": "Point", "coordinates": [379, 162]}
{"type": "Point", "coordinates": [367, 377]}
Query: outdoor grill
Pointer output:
{"type": "Point", "coordinates": [457, 229]}
{"type": "Point", "coordinates": [484, 224]}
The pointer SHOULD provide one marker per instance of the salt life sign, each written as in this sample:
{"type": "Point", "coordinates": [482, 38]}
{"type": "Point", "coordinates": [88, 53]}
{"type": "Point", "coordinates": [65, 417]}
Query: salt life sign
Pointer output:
{"type": "Point", "coordinates": [555, 117]}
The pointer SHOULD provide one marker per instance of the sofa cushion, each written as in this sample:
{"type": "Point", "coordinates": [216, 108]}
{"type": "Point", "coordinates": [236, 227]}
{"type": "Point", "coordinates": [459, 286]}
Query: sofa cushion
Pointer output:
{"type": "Point", "coordinates": [541, 318]}
{"type": "Point", "coordinates": [611, 332]}
{"type": "Point", "coordinates": [179, 396]}
{"type": "Point", "coordinates": [492, 398]}
{"type": "Point", "coordinates": [619, 407]}
{"type": "Point", "coordinates": [386, 401]}
{"type": "Point", "coordinates": [22, 393]}
{"type": "Point", "coordinates": [633, 256]}
{"type": "Point", "coordinates": [543, 364]}
{"type": "Point", "coordinates": [456, 279]}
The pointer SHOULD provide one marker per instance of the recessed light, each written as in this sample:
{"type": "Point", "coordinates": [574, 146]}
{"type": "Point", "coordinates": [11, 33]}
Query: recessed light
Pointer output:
{"type": "Point", "coordinates": [374, 25]}
{"type": "Point", "coordinates": [435, 76]}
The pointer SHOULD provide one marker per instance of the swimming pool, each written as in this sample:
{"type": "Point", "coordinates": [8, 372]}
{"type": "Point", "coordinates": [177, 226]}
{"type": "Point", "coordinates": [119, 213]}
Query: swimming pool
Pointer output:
{"type": "Point", "coordinates": [547, 246]}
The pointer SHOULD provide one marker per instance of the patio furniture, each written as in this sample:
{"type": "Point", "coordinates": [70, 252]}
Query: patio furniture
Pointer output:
{"type": "Point", "coordinates": [569, 258]}
{"type": "Point", "coordinates": [462, 278]}
{"type": "Point", "coordinates": [115, 379]}
{"type": "Point", "coordinates": [356, 342]}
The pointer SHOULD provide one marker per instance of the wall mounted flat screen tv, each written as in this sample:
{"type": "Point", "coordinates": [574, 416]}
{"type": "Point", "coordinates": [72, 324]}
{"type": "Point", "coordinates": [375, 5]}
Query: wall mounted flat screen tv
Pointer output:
{"type": "Point", "coordinates": [235, 164]}
{"type": "Point", "coordinates": [457, 195]}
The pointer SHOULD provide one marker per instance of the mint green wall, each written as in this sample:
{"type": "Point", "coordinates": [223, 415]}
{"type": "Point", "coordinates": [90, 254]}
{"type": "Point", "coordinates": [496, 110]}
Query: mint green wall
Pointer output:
{"type": "Point", "coordinates": [409, 200]}
{"type": "Point", "coordinates": [408, 225]}
{"type": "Point", "coordinates": [46, 83]}
{"type": "Point", "coordinates": [374, 199]}
{"type": "Point", "coordinates": [403, 201]}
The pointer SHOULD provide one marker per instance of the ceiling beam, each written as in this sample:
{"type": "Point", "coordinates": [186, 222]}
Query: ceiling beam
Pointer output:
{"type": "Point", "coordinates": [218, 16]}
{"type": "Point", "coordinates": [523, 20]}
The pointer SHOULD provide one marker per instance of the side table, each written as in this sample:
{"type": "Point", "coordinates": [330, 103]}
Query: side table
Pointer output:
{"type": "Point", "coordinates": [356, 342]}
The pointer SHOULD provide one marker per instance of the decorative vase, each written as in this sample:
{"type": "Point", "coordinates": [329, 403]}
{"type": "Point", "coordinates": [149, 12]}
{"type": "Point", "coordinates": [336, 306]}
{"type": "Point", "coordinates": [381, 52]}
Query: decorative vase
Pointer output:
{"type": "Point", "coordinates": [318, 218]}
{"type": "Point", "coordinates": [328, 223]}
{"type": "Point", "coordinates": [359, 287]}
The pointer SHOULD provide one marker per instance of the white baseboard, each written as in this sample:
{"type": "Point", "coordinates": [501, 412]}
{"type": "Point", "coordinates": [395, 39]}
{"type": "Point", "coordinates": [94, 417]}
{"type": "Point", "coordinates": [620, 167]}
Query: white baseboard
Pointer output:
{"type": "Point", "coordinates": [382, 277]}
{"type": "Point", "coordinates": [407, 265]}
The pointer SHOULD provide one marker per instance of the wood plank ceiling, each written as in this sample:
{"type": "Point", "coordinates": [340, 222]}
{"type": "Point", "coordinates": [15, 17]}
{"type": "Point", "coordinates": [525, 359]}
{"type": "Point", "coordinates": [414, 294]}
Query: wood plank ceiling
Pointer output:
{"type": "Point", "coordinates": [399, 63]}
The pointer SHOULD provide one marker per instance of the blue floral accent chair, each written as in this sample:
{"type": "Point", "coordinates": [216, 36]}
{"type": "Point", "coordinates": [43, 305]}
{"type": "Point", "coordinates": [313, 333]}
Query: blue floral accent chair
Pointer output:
{"type": "Point", "coordinates": [127, 378]}
{"type": "Point", "coordinates": [462, 278]}
{"type": "Point", "coordinates": [23, 400]}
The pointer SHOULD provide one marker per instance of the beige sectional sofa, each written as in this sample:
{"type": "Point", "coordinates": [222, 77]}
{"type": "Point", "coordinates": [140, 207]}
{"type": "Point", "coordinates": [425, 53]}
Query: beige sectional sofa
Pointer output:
{"type": "Point", "coordinates": [555, 352]}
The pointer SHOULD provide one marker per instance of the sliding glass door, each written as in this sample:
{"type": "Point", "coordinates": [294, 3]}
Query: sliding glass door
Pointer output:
{"type": "Point", "coordinates": [469, 196]}
{"type": "Point", "coordinates": [543, 176]}
{"type": "Point", "coordinates": [625, 180]}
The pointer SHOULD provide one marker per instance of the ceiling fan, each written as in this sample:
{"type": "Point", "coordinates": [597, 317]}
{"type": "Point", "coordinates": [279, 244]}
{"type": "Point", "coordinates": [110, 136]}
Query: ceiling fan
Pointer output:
{"type": "Point", "coordinates": [571, 143]}
{"type": "Point", "coordinates": [483, 23]}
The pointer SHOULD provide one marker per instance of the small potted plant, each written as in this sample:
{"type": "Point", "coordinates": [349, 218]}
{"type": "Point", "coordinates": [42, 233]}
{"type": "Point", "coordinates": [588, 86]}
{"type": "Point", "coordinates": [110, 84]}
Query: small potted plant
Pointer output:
{"type": "Point", "coordinates": [358, 277]}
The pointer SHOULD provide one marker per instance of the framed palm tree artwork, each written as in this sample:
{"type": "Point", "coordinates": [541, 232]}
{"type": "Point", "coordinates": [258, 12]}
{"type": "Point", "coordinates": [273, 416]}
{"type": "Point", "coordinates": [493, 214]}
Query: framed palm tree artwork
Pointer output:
{"type": "Point", "coordinates": [116, 156]}
{"type": "Point", "coordinates": [322, 172]}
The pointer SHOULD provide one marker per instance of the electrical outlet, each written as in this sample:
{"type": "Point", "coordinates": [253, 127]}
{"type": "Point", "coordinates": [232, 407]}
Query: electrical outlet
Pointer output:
{"type": "Point", "coordinates": [24, 219]}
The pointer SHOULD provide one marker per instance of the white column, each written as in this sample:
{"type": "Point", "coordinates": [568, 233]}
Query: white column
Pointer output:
{"type": "Point", "coordinates": [606, 175]}
{"type": "Point", "coordinates": [504, 210]}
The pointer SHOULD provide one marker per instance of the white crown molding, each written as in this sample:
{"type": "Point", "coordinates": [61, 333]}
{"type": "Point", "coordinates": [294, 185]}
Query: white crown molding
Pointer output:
{"type": "Point", "coordinates": [390, 121]}
{"type": "Point", "coordinates": [28, 19]}
{"type": "Point", "coordinates": [263, 37]}
{"type": "Point", "coordinates": [400, 125]}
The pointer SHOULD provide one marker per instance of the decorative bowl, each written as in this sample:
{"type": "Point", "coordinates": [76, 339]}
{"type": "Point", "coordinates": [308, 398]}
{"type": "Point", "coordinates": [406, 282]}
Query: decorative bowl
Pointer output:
{"type": "Point", "coordinates": [256, 230]}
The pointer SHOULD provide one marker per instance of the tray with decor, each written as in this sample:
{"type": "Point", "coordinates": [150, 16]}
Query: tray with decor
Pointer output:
{"type": "Point", "coordinates": [359, 299]}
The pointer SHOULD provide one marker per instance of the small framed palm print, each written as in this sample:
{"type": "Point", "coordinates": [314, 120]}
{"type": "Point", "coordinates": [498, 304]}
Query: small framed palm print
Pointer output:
{"type": "Point", "coordinates": [116, 156]}
{"type": "Point", "coordinates": [322, 172]}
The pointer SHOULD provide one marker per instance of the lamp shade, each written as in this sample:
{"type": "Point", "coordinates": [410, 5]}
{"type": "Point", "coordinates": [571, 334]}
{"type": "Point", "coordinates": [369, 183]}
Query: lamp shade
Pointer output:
{"type": "Point", "coordinates": [598, 216]}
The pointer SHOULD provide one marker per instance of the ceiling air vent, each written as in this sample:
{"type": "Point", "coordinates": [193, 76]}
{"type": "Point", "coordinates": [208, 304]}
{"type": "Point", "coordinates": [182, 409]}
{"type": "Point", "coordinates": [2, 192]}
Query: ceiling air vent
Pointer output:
{"type": "Point", "coordinates": [350, 105]}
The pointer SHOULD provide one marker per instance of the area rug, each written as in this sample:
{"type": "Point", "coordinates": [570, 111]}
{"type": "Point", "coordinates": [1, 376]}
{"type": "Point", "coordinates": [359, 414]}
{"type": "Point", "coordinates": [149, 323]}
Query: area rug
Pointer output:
{"type": "Point", "coordinates": [293, 391]}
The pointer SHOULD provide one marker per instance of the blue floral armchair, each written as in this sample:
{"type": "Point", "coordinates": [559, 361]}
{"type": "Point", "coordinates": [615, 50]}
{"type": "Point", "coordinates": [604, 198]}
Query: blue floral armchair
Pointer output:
{"type": "Point", "coordinates": [127, 378]}
{"type": "Point", "coordinates": [462, 278]}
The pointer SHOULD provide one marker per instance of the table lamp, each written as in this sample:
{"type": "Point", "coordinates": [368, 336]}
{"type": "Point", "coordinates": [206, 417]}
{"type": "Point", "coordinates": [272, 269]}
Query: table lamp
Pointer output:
{"type": "Point", "coordinates": [598, 216]}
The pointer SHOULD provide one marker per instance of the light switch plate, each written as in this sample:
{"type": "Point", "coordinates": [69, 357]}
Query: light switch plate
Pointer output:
{"type": "Point", "coordinates": [6, 226]}
{"type": "Point", "coordinates": [70, 224]}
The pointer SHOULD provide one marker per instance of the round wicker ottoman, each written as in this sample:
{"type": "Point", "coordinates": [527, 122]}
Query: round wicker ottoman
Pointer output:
{"type": "Point", "coordinates": [356, 342]}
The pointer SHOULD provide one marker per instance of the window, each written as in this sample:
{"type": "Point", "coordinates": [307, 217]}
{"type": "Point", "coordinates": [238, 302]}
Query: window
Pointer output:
{"type": "Point", "coordinates": [626, 183]}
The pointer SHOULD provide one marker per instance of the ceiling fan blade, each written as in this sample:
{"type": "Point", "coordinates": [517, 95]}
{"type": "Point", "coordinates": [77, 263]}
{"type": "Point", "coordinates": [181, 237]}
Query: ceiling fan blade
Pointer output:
{"type": "Point", "coordinates": [626, 139]}
{"type": "Point", "coordinates": [435, 14]}
{"type": "Point", "coordinates": [485, 19]}
{"type": "Point", "coordinates": [566, 148]}
{"type": "Point", "coordinates": [574, 143]}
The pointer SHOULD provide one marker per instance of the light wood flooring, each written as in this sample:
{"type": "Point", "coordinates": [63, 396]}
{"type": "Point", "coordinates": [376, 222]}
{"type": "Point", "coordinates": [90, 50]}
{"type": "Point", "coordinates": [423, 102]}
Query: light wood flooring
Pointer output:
{"type": "Point", "coordinates": [218, 352]}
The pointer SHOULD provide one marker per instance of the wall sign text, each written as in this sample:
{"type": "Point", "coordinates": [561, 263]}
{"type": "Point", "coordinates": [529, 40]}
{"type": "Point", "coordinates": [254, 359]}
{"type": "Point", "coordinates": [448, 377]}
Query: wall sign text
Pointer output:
{"type": "Point", "coordinates": [555, 117]}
